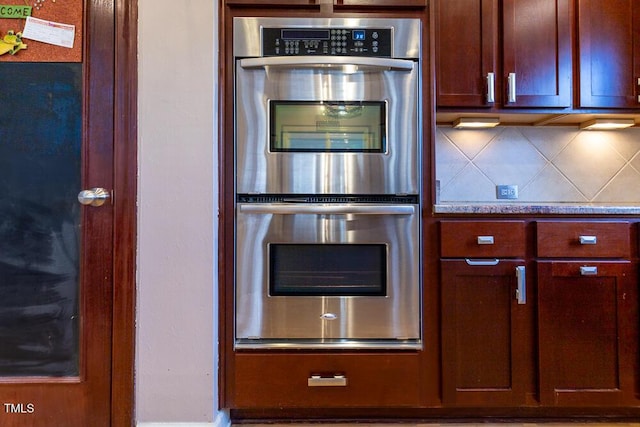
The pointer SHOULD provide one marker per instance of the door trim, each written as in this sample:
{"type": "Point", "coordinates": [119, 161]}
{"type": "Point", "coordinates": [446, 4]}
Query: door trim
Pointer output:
{"type": "Point", "coordinates": [125, 201]}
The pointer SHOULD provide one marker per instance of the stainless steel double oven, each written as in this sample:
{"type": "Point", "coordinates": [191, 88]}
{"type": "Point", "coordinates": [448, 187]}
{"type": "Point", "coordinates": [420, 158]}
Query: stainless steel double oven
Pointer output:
{"type": "Point", "coordinates": [327, 145]}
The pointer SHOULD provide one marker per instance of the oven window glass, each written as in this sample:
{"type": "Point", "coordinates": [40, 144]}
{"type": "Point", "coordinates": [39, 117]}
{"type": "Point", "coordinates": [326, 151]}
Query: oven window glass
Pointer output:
{"type": "Point", "coordinates": [328, 270]}
{"type": "Point", "coordinates": [315, 126]}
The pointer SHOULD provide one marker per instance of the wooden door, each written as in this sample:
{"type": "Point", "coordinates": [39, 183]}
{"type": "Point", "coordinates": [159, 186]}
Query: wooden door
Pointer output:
{"type": "Point", "coordinates": [588, 332]}
{"type": "Point", "coordinates": [486, 335]}
{"type": "Point", "coordinates": [466, 61]}
{"type": "Point", "coordinates": [537, 58]}
{"type": "Point", "coordinates": [609, 46]}
{"type": "Point", "coordinates": [57, 259]}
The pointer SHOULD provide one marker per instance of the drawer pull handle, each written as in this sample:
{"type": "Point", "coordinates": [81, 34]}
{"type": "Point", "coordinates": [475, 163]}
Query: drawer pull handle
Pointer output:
{"type": "Point", "coordinates": [521, 291]}
{"type": "Point", "coordinates": [476, 262]}
{"type": "Point", "coordinates": [334, 381]}
{"type": "Point", "coordinates": [588, 240]}
{"type": "Point", "coordinates": [485, 240]}
{"type": "Point", "coordinates": [589, 271]}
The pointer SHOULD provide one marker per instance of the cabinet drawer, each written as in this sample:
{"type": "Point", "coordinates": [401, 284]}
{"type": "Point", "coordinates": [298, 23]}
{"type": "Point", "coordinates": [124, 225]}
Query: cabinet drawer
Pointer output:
{"type": "Point", "coordinates": [583, 239]}
{"type": "Point", "coordinates": [282, 380]}
{"type": "Point", "coordinates": [482, 239]}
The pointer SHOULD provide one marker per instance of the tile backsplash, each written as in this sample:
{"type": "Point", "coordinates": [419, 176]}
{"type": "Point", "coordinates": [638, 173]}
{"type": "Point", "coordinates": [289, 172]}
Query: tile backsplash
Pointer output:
{"type": "Point", "coordinates": [548, 164]}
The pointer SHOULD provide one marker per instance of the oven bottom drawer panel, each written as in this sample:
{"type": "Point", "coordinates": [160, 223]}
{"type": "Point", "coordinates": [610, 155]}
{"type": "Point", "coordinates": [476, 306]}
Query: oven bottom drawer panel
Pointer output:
{"type": "Point", "coordinates": [326, 380]}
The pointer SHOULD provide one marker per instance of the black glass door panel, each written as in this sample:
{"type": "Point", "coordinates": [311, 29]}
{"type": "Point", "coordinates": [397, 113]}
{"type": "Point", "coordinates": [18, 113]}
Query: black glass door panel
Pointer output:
{"type": "Point", "coordinates": [40, 160]}
{"type": "Point", "coordinates": [327, 270]}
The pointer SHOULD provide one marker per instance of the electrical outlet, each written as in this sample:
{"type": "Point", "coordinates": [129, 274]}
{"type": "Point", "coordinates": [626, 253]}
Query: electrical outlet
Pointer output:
{"type": "Point", "coordinates": [507, 191]}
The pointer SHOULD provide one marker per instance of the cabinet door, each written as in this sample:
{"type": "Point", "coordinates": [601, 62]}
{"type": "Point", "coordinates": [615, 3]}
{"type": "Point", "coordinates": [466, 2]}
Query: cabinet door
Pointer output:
{"type": "Point", "coordinates": [588, 332]}
{"type": "Point", "coordinates": [466, 60]}
{"type": "Point", "coordinates": [486, 335]}
{"type": "Point", "coordinates": [537, 53]}
{"type": "Point", "coordinates": [609, 44]}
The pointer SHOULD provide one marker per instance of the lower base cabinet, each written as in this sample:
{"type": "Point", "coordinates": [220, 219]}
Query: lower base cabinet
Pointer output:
{"type": "Point", "coordinates": [487, 336]}
{"type": "Point", "coordinates": [588, 332]}
{"type": "Point", "coordinates": [572, 345]}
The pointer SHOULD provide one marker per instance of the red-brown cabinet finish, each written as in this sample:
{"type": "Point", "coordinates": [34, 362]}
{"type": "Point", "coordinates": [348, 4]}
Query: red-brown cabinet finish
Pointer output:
{"type": "Point", "coordinates": [609, 52]}
{"type": "Point", "coordinates": [583, 239]}
{"type": "Point", "coordinates": [536, 53]}
{"type": "Point", "coordinates": [588, 332]}
{"type": "Point", "coordinates": [537, 57]}
{"type": "Point", "coordinates": [282, 380]}
{"type": "Point", "coordinates": [466, 37]}
{"type": "Point", "coordinates": [487, 324]}
{"type": "Point", "coordinates": [482, 239]}
{"type": "Point", "coordinates": [487, 337]}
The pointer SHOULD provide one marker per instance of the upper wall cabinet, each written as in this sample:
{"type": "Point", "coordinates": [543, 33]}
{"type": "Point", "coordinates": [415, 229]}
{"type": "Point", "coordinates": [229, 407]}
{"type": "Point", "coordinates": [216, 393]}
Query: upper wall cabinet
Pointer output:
{"type": "Point", "coordinates": [466, 52]}
{"type": "Point", "coordinates": [536, 53]}
{"type": "Point", "coordinates": [609, 49]}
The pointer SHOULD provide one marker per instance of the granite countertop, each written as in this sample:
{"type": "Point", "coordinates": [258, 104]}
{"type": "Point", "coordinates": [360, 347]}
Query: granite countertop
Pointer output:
{"type": "Point", "coordinates": [537, 208]}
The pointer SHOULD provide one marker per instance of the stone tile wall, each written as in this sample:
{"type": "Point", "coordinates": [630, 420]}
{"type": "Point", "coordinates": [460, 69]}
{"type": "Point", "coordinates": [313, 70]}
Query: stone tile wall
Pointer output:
{"type": "Point", "coordinates": [548, 164]}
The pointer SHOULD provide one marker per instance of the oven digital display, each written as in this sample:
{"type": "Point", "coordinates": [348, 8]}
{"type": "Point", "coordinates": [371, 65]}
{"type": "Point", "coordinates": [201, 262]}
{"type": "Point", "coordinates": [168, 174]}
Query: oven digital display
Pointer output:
{"type": "Point", "coordinates": [317, 126]}
{"type": "Point", "coordinates": [297, 34]}
{"type": "Point", "coordinates": [358, 35]}
{"type": "Point", "coordinates": [327, 270]}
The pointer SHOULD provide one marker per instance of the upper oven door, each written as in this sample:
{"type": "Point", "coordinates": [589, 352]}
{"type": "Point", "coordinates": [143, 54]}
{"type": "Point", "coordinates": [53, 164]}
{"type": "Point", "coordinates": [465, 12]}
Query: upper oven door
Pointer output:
{"type": "Point", "coordinates": [327, 125]}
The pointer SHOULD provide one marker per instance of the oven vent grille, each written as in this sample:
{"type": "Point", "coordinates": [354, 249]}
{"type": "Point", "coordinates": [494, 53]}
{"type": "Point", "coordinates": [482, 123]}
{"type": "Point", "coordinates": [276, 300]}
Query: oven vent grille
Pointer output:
{"type": "Point", "coordinates": [326, 198]}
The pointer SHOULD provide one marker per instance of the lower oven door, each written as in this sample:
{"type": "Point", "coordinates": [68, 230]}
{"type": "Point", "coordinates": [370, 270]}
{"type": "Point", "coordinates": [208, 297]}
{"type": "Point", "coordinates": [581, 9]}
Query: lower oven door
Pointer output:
{"type": "Point", "coordinates": [316, 275]}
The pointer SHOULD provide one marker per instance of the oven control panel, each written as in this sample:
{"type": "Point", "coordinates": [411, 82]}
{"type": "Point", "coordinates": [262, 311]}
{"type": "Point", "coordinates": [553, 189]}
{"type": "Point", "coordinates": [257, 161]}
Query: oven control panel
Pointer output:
{"type": "Point", "coordinates": [327, 41]}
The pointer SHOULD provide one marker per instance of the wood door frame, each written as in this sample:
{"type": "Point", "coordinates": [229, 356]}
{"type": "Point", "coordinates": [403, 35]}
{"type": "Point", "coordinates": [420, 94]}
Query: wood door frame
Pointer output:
{"type": "Point", "coordinates": [125, 49]}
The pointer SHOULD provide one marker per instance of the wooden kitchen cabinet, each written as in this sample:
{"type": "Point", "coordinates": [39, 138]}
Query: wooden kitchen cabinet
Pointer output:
{"type": "Point", "coordinates": [536, 53]}
{"type": "Point", "coordinates": [487, 335]}
{"type": "Point", "coordinates": [587, 332]}
{"type": "Point", "coordinates": [466, 51]}
{"type": "Point", "coordinates": [609, 52]}
{"type": "Point", "coordinates": [587, 314]}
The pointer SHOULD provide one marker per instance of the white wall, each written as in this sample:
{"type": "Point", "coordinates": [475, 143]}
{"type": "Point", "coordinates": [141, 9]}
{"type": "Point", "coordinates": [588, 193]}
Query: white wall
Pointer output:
{"type": "Point", "coordinates": [176, 322]}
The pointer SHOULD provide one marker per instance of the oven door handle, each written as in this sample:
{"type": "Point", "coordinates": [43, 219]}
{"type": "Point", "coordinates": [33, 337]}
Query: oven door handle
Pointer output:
{"type": "Point", "coordinates": [311, 209]}
{"type": "Point", "coordinates": [360, 63]}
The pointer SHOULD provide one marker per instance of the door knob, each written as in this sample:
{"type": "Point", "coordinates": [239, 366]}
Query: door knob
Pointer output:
{"type": "Point", "coordinates": [93, 197]}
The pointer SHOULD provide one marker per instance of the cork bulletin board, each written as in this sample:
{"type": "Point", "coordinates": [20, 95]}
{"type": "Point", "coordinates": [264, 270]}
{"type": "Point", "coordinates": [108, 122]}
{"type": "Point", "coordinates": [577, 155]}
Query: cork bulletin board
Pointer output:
{"type": "Point", "coordinates": [56, 13]}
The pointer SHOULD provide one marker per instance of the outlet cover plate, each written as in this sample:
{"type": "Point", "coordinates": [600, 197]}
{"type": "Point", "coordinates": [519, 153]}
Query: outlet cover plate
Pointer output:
{"type": "Point", "coordinates": [509, 192]}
